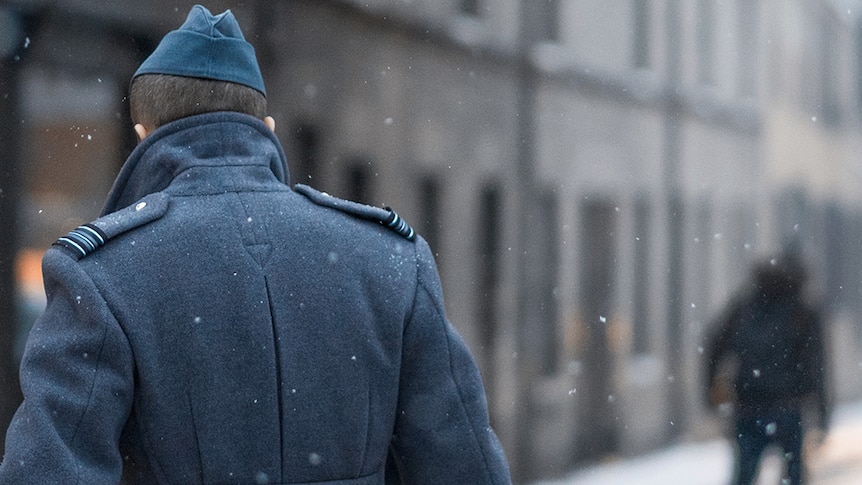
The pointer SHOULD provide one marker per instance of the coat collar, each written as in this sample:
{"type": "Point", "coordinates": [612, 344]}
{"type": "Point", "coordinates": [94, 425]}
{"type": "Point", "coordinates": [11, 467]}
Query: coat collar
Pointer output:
{"type": "Point", "coordinates": [211, 139]}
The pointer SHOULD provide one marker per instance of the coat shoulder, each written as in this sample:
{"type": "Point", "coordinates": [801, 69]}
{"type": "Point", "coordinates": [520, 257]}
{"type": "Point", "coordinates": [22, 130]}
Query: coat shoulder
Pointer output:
{"type": "Point", "coordinates": [88, 238]}
{"type": "Point", "coordinates": [384, 216]}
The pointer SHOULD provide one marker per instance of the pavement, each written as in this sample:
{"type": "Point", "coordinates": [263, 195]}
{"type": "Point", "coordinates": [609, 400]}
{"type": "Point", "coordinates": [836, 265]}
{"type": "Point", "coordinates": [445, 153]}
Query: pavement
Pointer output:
{"type": "Point", "coordinates": [837, 460]}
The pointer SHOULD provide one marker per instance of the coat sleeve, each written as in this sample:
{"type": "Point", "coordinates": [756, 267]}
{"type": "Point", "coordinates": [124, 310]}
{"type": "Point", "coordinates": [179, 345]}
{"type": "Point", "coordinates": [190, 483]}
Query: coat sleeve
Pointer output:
{"type": "Point", "coordinates": [442, 433]}
{"type": "Point", "coordinates": [76, 377]}
{"type": "Point", "coordinates": [815, 363]}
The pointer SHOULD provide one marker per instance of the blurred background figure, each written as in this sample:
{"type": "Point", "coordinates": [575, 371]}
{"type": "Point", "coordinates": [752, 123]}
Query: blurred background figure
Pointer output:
{"type": "Point", "coordinates": [766, 362]}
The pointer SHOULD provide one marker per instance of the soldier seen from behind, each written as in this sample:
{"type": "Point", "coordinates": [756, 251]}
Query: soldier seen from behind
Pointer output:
{"type": "Point", "coordinates": [766, 359]}
{"type": "Point", "coordinates": [217, 325]}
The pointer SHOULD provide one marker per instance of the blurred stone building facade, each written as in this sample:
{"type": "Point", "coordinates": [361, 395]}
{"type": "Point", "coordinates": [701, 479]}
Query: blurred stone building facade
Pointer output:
{"type": "Point", "coordinates": [595, 177]}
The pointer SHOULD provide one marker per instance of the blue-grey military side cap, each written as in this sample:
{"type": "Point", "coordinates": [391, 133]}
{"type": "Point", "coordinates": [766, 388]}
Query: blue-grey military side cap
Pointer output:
{"type": "Point", "coordinates": [206, 46]}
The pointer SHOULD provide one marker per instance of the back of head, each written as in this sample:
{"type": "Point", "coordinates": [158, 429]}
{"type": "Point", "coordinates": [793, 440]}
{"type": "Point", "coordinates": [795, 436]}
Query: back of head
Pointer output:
{"type": "Point", "coordinates": [783, 275]}
{"type": "Point", "coordinates": [206, 65]}
{"type": "Point", "coordinates": [158, 99]}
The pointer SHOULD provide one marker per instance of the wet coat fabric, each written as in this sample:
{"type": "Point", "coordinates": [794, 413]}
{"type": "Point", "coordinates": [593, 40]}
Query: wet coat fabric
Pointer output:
{"type": "Point", "coordinates": [220, 327]}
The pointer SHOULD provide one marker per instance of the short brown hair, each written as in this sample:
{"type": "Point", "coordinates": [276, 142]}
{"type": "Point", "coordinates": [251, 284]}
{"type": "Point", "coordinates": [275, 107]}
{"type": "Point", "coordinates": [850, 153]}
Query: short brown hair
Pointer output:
{"type": "Point", "coordinates": [157, 99]}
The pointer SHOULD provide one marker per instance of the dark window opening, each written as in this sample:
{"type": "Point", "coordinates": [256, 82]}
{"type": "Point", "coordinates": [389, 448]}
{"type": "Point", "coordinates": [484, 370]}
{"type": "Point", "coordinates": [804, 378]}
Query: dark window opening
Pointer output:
{"type": "Point", "coordinates": [859, 67]}
{"type": "Point", "coordinates": [359, 182]}
{"type": "Point", "coordinates": [830, 109]}
{"type": "Point", "coordinates": [307, 166]}
{"type": "Point", "coordinates": [641, 317]}
{"type": "Point", "coordinates": [548, 238]}
{"type": "Point", "coordinates": [641, 34]}
{"type": "Point", "coordinates": [489, 227]}
{"type": "Point", "coordinates": [430, 223]}
{"type": "Point", "coordinates": [549, 20]}
{"type": "Point", "coordinates": [597, 281]}
{"type": "Point", "coordinates": [470, 7]}
{"type": "Point", "coordinates": [747, 38]}
{"type": "Point", "coordinates": [705, 42]}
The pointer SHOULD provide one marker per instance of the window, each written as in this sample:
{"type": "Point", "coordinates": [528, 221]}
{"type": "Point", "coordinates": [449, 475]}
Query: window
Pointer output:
{"type": "Point", "coordinates": [359, 181]}
{"type": "Point", "coordinates": [859, 66]}
{"type": "Point", "coordinates": [641, 313]}
{"type": "Point", "coordinates": [548, 20]}
{"type": "Point", "coordinates": [598, 269]}
{"type": "Point", "coordinates": [702, 258]}
{"type": "Point", "coordinates": [307, 151]}
{"type": "Point", "coordinates": [747, 78]}
{"type": "Point", "coordinates": [489, 225]}
{"type": "Point", "coordinates": [838, 253]}
{"type": "Point", "coordinates": [705, 42]}
{"type": "Point", "coordinates": [641, 39]}
{"type": "Point", "coordinates": [429, 200]}
{"type": "Point", "coordinates": [548, 238]}
{"type": "Point", "coordinates": [597, 280]}
{"type": "Point", "coordinates": [540, 338]}
{"type": "Point", "coordinates": [540, 21]}
{"type": "Point", "coordinates": [830, 111]}
{"type": "Point", "coordinates": [470, 7]}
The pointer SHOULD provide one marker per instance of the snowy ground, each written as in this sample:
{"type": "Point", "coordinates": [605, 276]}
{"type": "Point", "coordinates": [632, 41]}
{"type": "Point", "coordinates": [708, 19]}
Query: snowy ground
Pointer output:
{"type": "Point", "coordinates": [838, 461]}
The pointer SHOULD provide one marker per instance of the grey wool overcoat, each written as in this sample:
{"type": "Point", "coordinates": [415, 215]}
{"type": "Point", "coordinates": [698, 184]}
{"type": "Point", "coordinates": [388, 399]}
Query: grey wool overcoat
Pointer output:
{"type": "Point", "coordinates": [216, 325]}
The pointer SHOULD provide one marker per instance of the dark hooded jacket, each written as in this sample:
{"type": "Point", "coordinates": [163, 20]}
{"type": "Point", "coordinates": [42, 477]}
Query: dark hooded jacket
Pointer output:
{"type": "Point", "coordinates": [217, 326]}
{"type": "Point", "coordinates": [773, 343]}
